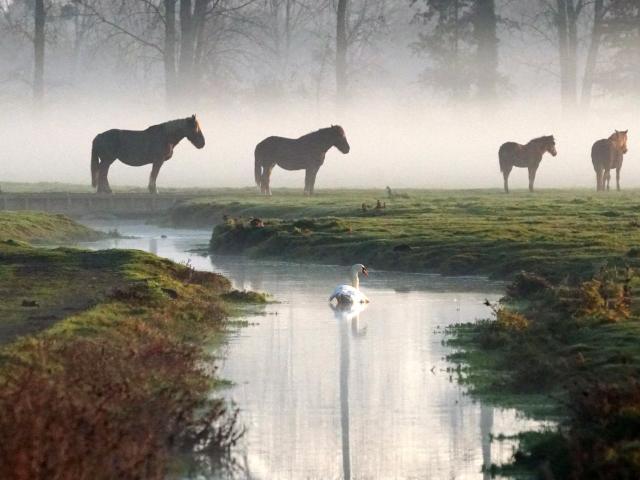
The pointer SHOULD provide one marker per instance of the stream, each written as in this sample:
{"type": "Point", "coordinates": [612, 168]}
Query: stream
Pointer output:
{"type": "Point", "coordinates": [365, 395]}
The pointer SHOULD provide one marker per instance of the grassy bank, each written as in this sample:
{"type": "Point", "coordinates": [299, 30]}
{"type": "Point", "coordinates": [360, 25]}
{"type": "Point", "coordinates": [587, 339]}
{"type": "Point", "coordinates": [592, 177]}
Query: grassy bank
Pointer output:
{"type": "Point", "coordinates": [572, 347]}
{"type": "Point", "coordinates": [103, 372]}
{"type": "Point", "coordinates": [39, 227]}
{"type": "Point", "coordinates": [556, 234]}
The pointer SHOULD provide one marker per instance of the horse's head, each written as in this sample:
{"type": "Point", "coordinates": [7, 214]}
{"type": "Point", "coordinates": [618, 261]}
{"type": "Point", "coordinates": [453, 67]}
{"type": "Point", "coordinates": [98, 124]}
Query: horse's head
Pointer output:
{"type": "Point", "coordinates": [550, 145]}
{"type": "Point", "coordinates": [339, 139]}
{"type": "Point", "coordinates": [619, 138]}
{"type": "Point", "coordinates": [193, 133]}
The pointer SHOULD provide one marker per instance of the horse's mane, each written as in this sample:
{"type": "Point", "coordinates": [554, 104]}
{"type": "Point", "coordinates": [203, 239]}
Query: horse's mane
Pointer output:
{"type": "Point", "coordinates": [543, 139]}
{"type": "Point", "coordinates": [316, 133]}
{"type": "Point", "coordinates": [172, 125]}
{"type": "Point", "coordinates": [616, 134]}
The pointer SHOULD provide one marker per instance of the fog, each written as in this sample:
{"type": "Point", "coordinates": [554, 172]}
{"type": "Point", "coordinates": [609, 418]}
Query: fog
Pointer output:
{"type": "Point", "coordinates": [402, 131]}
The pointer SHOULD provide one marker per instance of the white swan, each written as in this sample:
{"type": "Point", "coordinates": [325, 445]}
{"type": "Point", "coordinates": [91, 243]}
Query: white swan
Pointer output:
{"type": "Point", "coordinates": [351, 294]}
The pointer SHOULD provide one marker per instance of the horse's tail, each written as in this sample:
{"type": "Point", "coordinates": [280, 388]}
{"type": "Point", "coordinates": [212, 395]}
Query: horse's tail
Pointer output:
{"type": "Point", "coordinates": [504, 155]}
{"type": "Point", "coordinates": [501, 158]}
{"type": "Point", "coordinates": [258, 169]}
{"type": "Point", "coordinates": [95, 161]}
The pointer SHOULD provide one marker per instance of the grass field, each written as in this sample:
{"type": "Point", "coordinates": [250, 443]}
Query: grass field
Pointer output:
{"type": "Point", "coordinates": [555, 233]}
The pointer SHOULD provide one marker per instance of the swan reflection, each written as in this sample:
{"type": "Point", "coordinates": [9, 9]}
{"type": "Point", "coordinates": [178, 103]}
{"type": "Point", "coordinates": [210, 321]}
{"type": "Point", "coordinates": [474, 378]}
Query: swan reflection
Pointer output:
{"type": "Point", "coordinates": [351, 313]}
{"type": "Point", "coordinates": [346, 314]}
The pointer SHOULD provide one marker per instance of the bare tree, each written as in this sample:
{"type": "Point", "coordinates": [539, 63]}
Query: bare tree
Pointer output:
{"type": "Point", "coordinates": [178, 39]}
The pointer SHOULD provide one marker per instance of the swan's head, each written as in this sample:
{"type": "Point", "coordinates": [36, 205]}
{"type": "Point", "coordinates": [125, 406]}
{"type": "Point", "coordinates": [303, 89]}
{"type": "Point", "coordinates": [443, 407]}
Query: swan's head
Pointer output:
{"type": "Point", "coordinates": [358, 268]}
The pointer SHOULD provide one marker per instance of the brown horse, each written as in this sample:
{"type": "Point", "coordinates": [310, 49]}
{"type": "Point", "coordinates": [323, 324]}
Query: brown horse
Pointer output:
{"type": "Point", "coordinates": [529, 156]}
{"type": "Point", "coordinates": [607, 154]}
{"type": "Point", "coordinates": [140, 147]}
{"type": "Point", "coordinates": [304, 153]}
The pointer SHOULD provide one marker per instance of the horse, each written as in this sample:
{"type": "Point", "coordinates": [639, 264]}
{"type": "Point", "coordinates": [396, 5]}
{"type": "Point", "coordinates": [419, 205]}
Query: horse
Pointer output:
{"type": "Point", "coordinates": [607, 154]}
{"type": "Point", "coordinates": [512, 154]}
{"type": "Point", "coordinates": [304, 153]}
{"type": "Point", "coordinates": [141, 147]}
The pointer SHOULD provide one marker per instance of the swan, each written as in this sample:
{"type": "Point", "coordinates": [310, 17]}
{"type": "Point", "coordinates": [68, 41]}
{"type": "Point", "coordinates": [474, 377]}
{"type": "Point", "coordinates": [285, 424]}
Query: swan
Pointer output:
{"type": "Point", "coordinates": [351, 294]}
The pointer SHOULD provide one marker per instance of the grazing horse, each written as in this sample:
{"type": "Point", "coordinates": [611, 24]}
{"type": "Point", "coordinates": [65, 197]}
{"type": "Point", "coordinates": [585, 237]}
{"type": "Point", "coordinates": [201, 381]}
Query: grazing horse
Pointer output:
{"type": "Point", "coordinates": [306, 152]}
{"type": "Point", "coordinates": [607, 154]}
{"type": "Point", "coordinates": [512, 154]}
{"type": "Point", "coordinates": [140, 147]}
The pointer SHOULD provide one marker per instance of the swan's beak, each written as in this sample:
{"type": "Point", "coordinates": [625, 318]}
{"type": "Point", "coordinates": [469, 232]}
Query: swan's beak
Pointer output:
{"type": "Point", "coordinates": [365, 272]}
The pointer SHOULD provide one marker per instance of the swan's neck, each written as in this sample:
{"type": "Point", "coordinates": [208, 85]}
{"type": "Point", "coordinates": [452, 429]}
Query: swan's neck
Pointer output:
{"type": "Point", "coordinates": [355, 280]}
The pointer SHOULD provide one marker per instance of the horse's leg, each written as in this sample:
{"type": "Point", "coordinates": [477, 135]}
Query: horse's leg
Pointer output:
{"type": "Point", "coordinates": [155, 169]}
{"type": "Point", "coordinates": [532, 178]}
{"type": "Point", "coordinates": [310, 180]}
{"type": "Point", "coordinates": [618, 178]}
{"type": "Point", "coordinates": [505, 174]}
{"type": "Point", "coordinates": [599, 173]}
{"type": "Point", "coordinates": [103, 175]}
{"type": "Point", "coordinates": [266, 179]}
{"type": "Point", "coordinates": [307, 181]}
{"type": "Point", "coordinates": [607, 178]}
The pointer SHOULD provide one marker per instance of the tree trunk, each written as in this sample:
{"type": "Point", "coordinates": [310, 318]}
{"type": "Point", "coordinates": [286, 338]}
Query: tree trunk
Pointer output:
{"type": "Point", "coordinates": [485, 25]}
{"type": "Point", "coordinates": [592, 55]}
{"type": "Point", "coordinates": [170, 49]}
{"type": "Point", "coordinates": [341, 51]}
{"type": "Point", "coordinates": [187, 43]}
{"type": "Point", "coordinates": [572, 54]}
{"type": "Point", "coordinates": [38, 43]}
{"type": "Point", "coordinates": [458, 87]}
{"type": "Point", "coordinates": [563, 50]}
{"type": "Point", "coordinates": [566, 20]}
{"type": "Point", "coordinates": [287, 35]}
{"type": "Point", "coordinates": [199, 20]}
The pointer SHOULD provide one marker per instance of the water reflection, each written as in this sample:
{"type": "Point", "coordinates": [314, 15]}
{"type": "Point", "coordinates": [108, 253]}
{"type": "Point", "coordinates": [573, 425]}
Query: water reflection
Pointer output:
{"type": "Point", "coordinates": [351, 315]}
{"type": "Point", "coordinates": [349, 395]}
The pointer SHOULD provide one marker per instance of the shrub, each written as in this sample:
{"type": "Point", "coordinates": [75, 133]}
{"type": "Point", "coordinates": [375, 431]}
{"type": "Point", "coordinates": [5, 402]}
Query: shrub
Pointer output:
{"type": "Point", "coordinates": [108, 407]}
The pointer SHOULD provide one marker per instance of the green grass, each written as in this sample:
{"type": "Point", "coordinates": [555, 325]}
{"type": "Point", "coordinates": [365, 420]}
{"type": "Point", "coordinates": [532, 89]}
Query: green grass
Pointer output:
{"type": "Point", "coordinates": [556, 233]}
{"type": "Point", "coordinates": [39, 227]}
{"type": "Point", "coordinates": [39, 287]}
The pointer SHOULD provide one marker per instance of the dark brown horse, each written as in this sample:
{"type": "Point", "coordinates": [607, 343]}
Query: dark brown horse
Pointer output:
{"type": "Point", "coordinates": [304, 153]}
{"type": "Point", "coordinates": [140, 147]}
{"type": "Point", "coordinates": [512, 154]}
{"type": "Point", "coordinates": [606, 154]}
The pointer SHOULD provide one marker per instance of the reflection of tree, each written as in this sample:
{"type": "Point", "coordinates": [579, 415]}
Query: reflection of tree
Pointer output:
{"type": "Point", "coordinates": [486, 425]}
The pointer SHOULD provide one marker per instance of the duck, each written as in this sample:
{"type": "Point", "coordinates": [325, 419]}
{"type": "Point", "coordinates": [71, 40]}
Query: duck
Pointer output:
{"type": "Point", "coordinates": [351, 294]}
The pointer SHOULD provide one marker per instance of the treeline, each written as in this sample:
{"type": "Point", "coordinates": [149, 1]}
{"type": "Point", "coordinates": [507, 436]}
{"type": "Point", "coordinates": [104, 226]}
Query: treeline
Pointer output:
{"type": "Point", "coordinates": [462, 50]}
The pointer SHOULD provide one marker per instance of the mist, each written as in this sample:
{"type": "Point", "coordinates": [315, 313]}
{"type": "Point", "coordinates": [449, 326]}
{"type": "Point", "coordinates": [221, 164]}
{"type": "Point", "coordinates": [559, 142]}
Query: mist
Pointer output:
{"type": "Point", "coordinates": [404, 131]}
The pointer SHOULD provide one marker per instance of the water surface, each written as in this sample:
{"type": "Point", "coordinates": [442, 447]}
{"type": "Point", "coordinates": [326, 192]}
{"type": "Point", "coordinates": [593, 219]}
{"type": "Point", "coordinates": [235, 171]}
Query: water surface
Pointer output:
{"type": "Point", "coordinates": [362, 395]}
